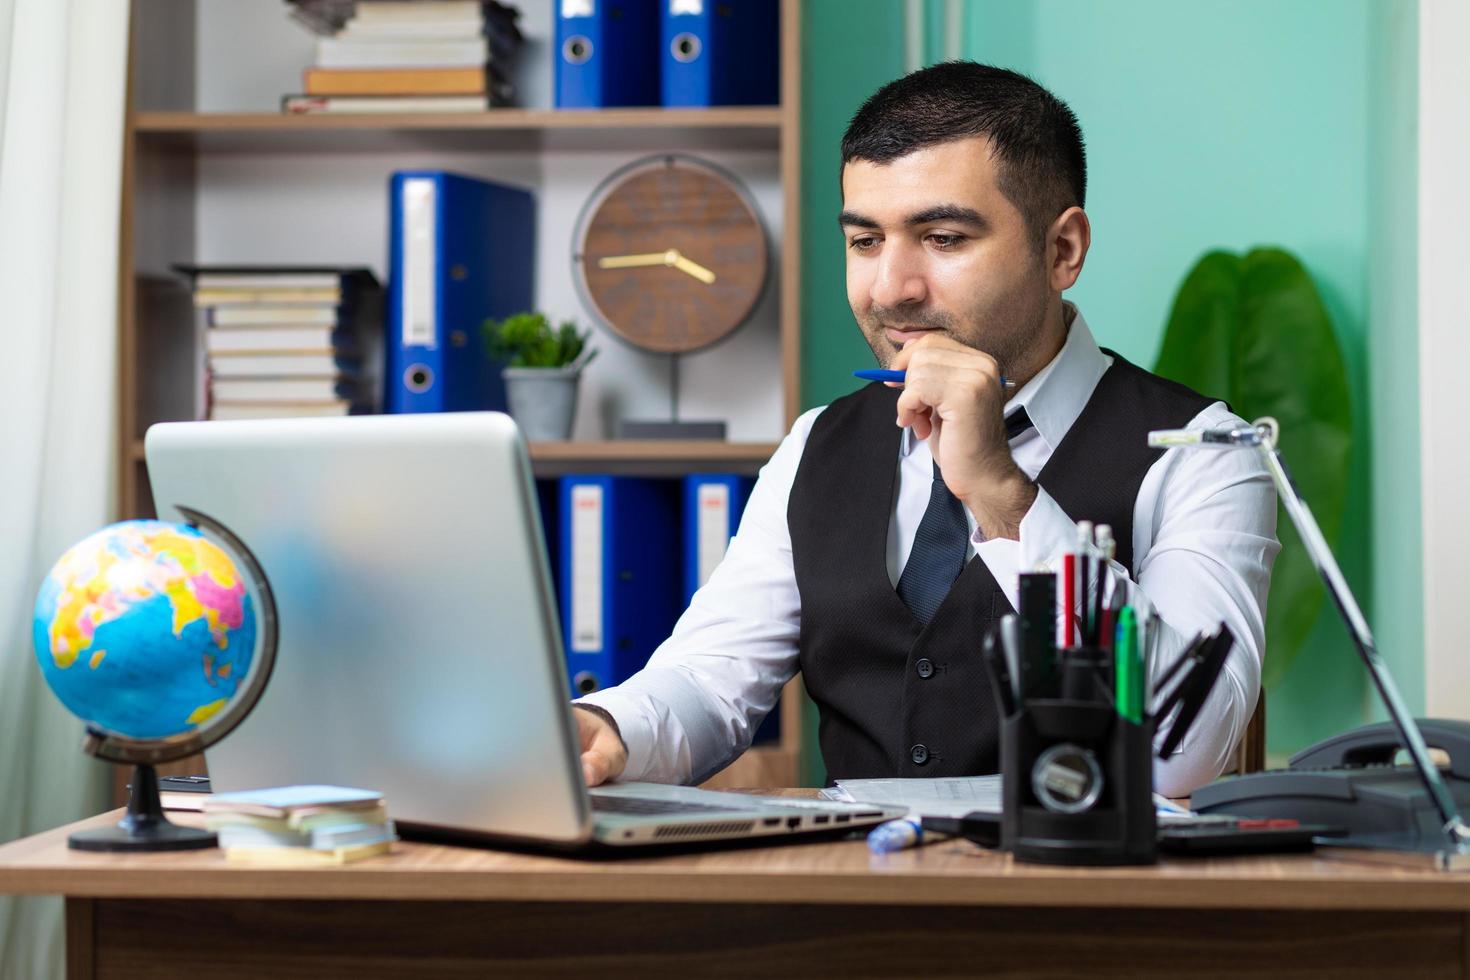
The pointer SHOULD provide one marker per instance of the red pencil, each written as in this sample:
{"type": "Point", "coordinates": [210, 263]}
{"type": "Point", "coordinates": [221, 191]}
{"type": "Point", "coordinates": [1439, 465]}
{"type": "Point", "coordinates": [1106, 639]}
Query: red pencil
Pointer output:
{"type": "Point", "coordinates": [1069, 600]}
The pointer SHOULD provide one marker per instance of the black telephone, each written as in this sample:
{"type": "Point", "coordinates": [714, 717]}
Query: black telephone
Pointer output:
{"type": "Point", "coordinates": [1351, 781]}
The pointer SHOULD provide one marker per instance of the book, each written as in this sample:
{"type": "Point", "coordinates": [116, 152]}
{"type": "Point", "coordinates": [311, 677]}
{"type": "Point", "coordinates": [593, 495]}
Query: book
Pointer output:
{"type": "Point", "coordinates": [282, 801]}
{"type": "Point", "coordinates": [184, 793]}
{"type": "Point", "coordinates": [288, 365]}
{"type": "Point", "coordinates": [387, 52]}
{"type": "Point", "coordinates": [264, 313]}
{"type": "Point", "coordinates": [324, 838]}
{"type": "Point", "coordinates": [425, 29]}
{"type": "Point", "coordinates": [394, 81]}
{"type": "Point", "coordinates": [267, 280]}
{"type": "Point", "coordinates": [234, 411]}
{"type": "Point", "coordinates": [279, 390]}
{"type": "Point", "coordinates": [303, 820]}
{"type": "Point", "coordinates": [316, 339]}
{"type": "Point", "coordinates": [294, 857]}
{"type": "Point", "coordinates": [300, 825]}
{"type": "Point", "coordinates": [266, 294]}
{"type": "Point", "coordinates": [301, 105]}
{"type": "Point", "coordinates": [400, 11]}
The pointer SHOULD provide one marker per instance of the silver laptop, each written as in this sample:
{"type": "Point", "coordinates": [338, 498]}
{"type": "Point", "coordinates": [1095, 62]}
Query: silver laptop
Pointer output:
{"type": "Point", "coordinates": [420, 650]}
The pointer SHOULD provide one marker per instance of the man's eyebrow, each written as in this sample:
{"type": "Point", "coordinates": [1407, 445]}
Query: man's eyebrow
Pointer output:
{"type": "Point", "coordinates": [930, 215]}
{"type": "Point", "coordinates": [855, 220]}
{"type": "Point", "coordinates": [946, 212]}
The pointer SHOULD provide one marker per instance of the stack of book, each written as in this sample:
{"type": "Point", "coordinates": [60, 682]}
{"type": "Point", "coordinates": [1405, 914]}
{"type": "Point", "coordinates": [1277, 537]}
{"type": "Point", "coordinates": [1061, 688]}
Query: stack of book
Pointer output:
{"type": "Point", "coordinates": [288, 341]}
{"type": "Point", "coordinates": [408, 56]}
{"type": "Point", "coordinates": [300, 825]}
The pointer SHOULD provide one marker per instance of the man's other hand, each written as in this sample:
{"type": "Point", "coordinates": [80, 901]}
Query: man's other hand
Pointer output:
{"type": "Point", "coordinates": [603, 754]}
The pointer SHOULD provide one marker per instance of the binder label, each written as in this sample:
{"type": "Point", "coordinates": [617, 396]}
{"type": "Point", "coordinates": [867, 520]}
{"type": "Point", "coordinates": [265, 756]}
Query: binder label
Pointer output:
{"type": "Point", "coordinates": [677, 7]}
{"type": "Point", "coordinates": [714, 527]}
{"type": "Point", "coordinates": [419, 313]}
{"type": "Point", "coordinates": [586, 570]}
{"type": "Point", "coordinates": [578, 8]}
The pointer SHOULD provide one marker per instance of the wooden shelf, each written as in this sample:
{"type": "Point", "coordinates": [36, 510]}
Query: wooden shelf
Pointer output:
{"type": "Point", "coordinates": [509, 129]}
{"type": "Point", "coordinates": [188, 178]}
{"type": "Point", "coordinates": [649, 456]}
{"type": "Point", "coordinates": [652, 457]}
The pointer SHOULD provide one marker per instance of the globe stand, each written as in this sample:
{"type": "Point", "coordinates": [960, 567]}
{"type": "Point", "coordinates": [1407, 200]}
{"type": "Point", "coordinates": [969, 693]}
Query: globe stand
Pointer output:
{"type": "Point", "coordinates": [144, 828]}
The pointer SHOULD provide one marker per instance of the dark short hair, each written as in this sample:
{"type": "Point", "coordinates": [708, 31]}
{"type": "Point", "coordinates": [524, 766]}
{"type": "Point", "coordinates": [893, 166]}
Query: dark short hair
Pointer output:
{"type": "Point", "coordinates": [1037, 141]}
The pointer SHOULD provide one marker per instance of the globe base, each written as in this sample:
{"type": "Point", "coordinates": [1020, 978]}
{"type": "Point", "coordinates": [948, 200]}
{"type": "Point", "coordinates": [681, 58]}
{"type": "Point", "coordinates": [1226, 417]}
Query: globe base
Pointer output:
{"type": "Point", "coordinates": [144, 827]}
{"type": "Point", "coordinates": [163, 837]}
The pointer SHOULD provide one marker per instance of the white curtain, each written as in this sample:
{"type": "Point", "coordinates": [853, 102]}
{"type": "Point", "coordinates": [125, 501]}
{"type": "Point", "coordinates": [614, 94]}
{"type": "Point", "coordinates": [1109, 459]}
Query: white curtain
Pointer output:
{"type": "Point", "coordinates": [63, 66]}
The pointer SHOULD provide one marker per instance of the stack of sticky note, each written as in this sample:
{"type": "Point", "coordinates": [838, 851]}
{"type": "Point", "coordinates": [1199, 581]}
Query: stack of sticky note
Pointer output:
{"type": "Point", "coordinates": [300, 825]}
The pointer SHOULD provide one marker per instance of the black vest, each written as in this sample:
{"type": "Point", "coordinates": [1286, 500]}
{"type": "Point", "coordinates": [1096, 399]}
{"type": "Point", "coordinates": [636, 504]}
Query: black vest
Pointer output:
{"type": "Point", "coordinates": [896, 697]}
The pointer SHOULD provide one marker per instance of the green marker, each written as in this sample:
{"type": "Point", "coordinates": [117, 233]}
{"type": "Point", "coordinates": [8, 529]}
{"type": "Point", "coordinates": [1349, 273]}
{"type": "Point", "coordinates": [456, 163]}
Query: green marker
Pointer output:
{"type": "Point", "coordinates": [1127, 668]}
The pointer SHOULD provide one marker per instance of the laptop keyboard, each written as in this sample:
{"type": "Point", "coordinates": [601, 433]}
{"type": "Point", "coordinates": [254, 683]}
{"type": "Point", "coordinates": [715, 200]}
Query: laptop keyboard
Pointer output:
{"type": "Point", "coordinates": [643, 807]}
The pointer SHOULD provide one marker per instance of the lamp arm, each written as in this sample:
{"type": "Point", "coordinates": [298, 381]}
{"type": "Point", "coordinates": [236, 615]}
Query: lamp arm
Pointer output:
{"type": "Point", "coordinates": [1301, 516]}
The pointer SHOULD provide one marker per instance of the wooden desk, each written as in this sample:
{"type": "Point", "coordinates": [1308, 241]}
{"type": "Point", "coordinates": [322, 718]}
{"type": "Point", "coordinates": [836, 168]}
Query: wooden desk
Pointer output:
{"type": "Point", "coordinates": [819, 909]}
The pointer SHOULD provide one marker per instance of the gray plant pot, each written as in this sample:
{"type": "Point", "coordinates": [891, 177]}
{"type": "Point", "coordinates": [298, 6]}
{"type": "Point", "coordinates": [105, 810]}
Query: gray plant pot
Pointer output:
{"type": "Point", "coordinates": [543, 401]}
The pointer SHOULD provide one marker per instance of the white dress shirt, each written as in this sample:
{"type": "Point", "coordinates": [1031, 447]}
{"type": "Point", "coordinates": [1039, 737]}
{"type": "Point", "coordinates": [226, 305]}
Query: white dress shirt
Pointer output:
{"type": "Point", "coordinates": [1204, 539]}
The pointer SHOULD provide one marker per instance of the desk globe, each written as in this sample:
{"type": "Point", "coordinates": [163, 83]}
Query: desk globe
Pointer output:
{"type": "Point", "coordinates": [161, 639]}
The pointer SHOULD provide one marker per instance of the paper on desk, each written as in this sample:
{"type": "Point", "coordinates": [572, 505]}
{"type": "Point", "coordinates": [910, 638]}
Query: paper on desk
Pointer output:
{"type": "Point", "coordinates": [955, 796]}
{"type": "Point", "coordinates": [952, 796]}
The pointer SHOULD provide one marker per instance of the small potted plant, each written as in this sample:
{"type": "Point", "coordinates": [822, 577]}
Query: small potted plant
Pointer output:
{"type": "Point", "coordinates": [542, 366]}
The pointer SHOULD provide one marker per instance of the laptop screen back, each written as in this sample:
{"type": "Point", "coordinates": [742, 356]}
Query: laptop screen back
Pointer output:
{"type": "Point", "coordinates": [419, 648]}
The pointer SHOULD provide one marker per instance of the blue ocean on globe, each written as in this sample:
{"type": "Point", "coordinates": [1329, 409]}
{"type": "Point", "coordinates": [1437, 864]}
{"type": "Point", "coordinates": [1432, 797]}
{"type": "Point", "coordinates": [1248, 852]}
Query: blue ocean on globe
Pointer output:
{"type": "Point", "coordinates": [145, 629]}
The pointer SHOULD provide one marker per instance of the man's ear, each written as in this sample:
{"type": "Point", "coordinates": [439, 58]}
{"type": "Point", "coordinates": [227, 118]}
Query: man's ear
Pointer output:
{"type": "Point", "coordinates": [1067, 241]}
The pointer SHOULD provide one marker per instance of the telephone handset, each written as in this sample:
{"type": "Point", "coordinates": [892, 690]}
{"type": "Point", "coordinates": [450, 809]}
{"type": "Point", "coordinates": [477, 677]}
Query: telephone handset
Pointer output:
{"type": "Point", "coordinates": [1376, 745]}
{"type": "Point", "coordinates": [1351, 781]}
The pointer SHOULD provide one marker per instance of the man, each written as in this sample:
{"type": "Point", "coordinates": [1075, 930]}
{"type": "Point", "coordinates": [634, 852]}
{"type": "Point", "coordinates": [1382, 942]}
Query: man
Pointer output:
{"type": "Point", "coordinates": [887, 532]}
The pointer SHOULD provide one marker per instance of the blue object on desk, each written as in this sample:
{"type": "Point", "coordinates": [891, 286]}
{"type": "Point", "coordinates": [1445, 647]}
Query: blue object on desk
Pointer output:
{"type": "Point", "coordinates": [460, 252]}
{"type": "Point", "coordinates": [895, 835]}
{"type": "Point", "coordinates": [606, 53]}
{"type": "Point", "coordinates": [720, 53]}
{"type": "Point", "coordinates": [896, 377]}
{"type": "Point", "coordinates": [619, 575]}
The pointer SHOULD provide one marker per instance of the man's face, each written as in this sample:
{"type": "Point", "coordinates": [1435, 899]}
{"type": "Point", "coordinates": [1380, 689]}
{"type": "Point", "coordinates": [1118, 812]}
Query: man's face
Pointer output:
{"type": "Point", "coordinates": [932, 244]}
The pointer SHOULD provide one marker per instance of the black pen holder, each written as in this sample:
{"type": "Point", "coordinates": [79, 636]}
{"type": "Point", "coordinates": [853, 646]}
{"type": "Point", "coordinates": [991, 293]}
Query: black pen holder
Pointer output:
{"type": "Point", "coordinates": [1078, 778]}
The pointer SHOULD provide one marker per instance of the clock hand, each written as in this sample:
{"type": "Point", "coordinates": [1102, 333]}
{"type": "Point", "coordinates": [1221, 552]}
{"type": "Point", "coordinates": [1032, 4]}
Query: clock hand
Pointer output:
{"type": "Point", "coordinates": [633, 261]}
{"type": "Point", "coordinates": [694, 269]}
{"type": "Point", "coordinates": [670, 258]}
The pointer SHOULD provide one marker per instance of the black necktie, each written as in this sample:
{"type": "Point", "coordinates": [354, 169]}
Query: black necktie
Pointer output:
{"type": "Point", "coordinates": [941, 542]}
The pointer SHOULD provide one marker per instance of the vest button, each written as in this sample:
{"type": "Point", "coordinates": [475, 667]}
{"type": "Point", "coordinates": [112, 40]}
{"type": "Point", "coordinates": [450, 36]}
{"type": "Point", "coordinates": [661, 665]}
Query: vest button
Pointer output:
{"type": "Point", "coordinates": [919, 753]}
{"type": "Point", "coordinates": [924, 667]}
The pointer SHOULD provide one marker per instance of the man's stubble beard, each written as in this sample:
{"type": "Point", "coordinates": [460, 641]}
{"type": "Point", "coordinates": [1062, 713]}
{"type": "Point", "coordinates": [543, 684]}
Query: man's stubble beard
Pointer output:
{"type": "Point", "coordinates": [1010, 348]}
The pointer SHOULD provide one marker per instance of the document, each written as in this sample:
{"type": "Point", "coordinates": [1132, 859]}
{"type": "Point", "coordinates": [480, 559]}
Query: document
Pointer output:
{"type": "Point", "coordinates": [955, 796]}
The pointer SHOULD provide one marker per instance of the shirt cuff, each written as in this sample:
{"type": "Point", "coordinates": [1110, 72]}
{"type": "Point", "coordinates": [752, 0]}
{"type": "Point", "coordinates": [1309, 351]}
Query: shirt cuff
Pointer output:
{"type": "Point", "coordinates": [634, 727]}
{"type": "Point", "coordinates": [1046, 533]}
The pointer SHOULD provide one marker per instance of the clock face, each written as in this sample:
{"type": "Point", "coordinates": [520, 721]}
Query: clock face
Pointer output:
{"type": "Point", "coordinates": [670, 254]}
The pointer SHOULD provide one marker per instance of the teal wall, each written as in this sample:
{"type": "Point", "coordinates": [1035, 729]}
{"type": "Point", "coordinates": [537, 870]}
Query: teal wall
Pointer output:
{"type": "Point", "coordinates": [1393, 344]}
{"type": "Point", "coordinates": [1208, 125]}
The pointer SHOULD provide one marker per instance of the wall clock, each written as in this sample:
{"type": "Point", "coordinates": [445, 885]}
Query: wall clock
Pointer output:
{"type": "Point", "coordinates": [670, 253]}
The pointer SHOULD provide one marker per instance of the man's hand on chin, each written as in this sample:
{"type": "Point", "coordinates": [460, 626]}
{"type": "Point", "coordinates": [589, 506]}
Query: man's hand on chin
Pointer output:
{"type": "Point", "coordinates": [953, 398]}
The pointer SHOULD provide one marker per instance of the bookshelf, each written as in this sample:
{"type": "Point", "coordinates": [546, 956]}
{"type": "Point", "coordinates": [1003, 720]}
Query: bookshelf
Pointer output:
{"type": "Point", "coordinates": [212, 173]}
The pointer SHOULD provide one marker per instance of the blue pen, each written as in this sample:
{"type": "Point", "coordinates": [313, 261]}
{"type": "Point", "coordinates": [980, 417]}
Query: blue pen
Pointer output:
{"type": "Point", "coordinates": [896, 377]}
{"type": "Point", "coordinates": [895, 835]}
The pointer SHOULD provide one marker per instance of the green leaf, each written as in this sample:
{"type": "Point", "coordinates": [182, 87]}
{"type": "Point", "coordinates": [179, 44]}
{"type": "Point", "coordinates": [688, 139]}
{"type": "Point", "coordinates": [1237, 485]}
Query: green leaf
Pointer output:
{"type": "Point", "coordinates": [527, 340]}
{"type": "Point", "coordinates": [1254, 331]}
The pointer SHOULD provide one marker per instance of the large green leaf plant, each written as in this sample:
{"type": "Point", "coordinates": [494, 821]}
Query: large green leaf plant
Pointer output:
{"type": "Point", "coordinates": [1253, 330]}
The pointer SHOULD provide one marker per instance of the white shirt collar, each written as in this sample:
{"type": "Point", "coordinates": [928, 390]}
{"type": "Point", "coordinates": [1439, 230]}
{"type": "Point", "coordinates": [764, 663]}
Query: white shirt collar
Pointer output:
{"type": "Point", "coordinates": [1056, 396]}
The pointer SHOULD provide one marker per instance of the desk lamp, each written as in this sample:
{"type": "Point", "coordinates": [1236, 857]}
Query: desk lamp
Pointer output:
{"type": "Point", "coordinates": [1453, 851]}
